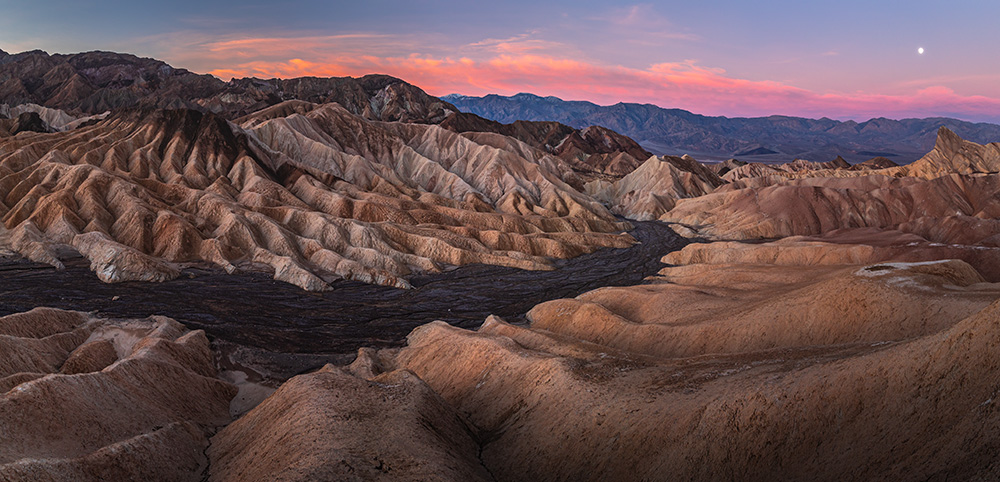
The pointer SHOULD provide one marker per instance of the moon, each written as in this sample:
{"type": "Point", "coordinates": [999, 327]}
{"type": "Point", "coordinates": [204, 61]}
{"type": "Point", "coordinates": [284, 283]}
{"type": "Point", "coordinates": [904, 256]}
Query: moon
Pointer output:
{"type": "Point", "coordinates": [920, 50]}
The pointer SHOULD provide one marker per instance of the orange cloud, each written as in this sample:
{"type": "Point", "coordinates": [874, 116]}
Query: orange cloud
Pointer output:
{"type": "Point", "coordinates": [504, 70]}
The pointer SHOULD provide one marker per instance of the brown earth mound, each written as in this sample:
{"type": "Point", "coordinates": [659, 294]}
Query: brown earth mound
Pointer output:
{"type": "Point", "coordinates": [90, 399]}
{"type": "Point", "coordinates": [330, 425]}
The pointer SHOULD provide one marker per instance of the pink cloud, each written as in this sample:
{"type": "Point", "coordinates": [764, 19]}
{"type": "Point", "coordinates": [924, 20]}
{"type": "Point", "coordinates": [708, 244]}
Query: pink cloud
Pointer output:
{"type": "Point", "coordinates": [508, 66]}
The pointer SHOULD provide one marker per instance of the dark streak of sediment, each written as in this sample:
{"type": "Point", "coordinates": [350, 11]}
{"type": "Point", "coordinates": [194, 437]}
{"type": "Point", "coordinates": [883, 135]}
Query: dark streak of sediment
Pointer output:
{"type": "Point", "coordinates": [299, 329]}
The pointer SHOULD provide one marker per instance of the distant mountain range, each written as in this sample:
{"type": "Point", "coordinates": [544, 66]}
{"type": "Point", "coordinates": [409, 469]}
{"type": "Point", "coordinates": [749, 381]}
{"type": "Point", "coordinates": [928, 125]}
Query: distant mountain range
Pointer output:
{"type": "Point", "coordinates": [773, 138]}
{"type": "Point", "coordinates": [96, 82]}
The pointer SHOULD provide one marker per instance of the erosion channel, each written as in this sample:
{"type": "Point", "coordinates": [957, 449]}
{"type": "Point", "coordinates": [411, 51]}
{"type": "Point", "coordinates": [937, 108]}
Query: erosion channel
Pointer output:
{"type": "Point", "coordinates": [282, 330]}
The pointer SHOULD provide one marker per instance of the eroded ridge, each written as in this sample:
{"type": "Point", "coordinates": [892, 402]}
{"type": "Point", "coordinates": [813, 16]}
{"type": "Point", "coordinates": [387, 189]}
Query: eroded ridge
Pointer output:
{"type": "Point", "coordinates": [83, 398]}
{"type": "Point", "coordinates": [311, 192]}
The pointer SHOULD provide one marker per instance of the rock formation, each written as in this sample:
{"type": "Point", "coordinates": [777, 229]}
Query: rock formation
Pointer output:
{"type": "Point", "coordinates": [83, 398]}
{"type": "Point", "coordinates": [949, 196]}
{"type": "Point", "coordinates": [854, 337]}
{"type": "Point", "coordinates": [594, 152]}
{"type": "Point", "coordinates": [312, 192]}
{"type": "Point", "coordinates": [953, 155]}
{"type": "Point", "coordinates": [653, 189]}
{"type": "Point", "coordinates": [840, 247]}
{"type": "Point", "coordinates": [331, 425]}
{"type": "Point", "coordinates": [96, 82]}
{"type": "Point", "coordinates": [721, 168]}
{"type": "Point", "coordinates": [873, 163]}
{"type": "Point", "coordinates": [950, 209]}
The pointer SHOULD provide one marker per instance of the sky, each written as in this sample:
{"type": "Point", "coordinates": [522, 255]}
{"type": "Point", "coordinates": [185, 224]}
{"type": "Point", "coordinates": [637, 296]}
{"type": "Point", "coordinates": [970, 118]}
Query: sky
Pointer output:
{"type": "Point", "coordinates": [844, 60]}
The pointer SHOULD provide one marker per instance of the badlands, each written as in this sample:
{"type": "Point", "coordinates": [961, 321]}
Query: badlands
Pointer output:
{"type": "Point", "coordinates": [798, 321]}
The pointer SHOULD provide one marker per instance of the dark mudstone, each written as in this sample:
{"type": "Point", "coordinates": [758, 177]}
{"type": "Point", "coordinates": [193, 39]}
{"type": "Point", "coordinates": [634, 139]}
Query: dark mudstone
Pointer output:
{"type": "Point", "coordinates": [29, 122]}
{"type": "Point", "coordinates": [291, 330]}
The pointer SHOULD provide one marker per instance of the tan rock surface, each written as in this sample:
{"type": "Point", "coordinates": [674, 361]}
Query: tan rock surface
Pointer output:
{"type": "Point", "coordinates": [56, 119]}
{"type": "Point", "coordinates": [952, 154]}
{"type": "Point", "coordinates": [89, 399]}
{"type": "Point", "coordinates": [666, 321]}
{"type": "Point", "coordinates": [593, 152]}
{"type": "Point", "coordinates": [753, 372]}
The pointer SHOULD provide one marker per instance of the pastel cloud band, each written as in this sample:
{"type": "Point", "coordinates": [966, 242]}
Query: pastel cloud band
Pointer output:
{"type": "Point", "coordinates": [685, 85]}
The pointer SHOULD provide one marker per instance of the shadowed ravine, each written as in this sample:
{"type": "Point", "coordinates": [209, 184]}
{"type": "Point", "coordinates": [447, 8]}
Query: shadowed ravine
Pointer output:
{"type": "Point", "coordinates": [289, 330]}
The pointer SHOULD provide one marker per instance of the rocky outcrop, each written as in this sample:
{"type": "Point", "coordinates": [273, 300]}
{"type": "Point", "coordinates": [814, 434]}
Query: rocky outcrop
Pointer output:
{"type": "Point", "coordinates": [83, 398]}
{"type": "Point", "coordinates": [753, 170]}
{"type": "Point", "coordinates": [49, 120]}
{"type": "Point", "coordinates": [873, 163]}
{"type": "Point", "coordinates": [953, 155]}
{"type": "Point", "coordinates": [29, 122]}
{"type": "Point", "coordinates": [594, 152]}
{"type": "Point", "coordinates": [721, 168]}
{"type": "Point", "coordinates": [800, 165]}
{"type": "Point", "coordinates": [840, 247]}
{"type": "Point", "coordinates": [653, 188]}
{"type": "Point", "coordinates": [948, 197]}
{"type": "Point", "coordinates": [953, 209]}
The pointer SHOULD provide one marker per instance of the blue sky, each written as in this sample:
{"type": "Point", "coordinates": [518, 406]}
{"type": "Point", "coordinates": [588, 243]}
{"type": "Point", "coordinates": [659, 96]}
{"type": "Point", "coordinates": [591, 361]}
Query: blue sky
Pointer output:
{"type": "Point", "coordinates": [848, 59]}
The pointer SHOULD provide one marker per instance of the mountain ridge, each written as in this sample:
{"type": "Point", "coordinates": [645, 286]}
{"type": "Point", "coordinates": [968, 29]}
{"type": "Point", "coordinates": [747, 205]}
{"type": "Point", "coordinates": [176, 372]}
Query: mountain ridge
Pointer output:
{"type": "Point", "coordinates": [98, 81]}
{"type": "Point", "coordinates": [61, 87]}
{"type": "Point", "coordinates": [677, 131]}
